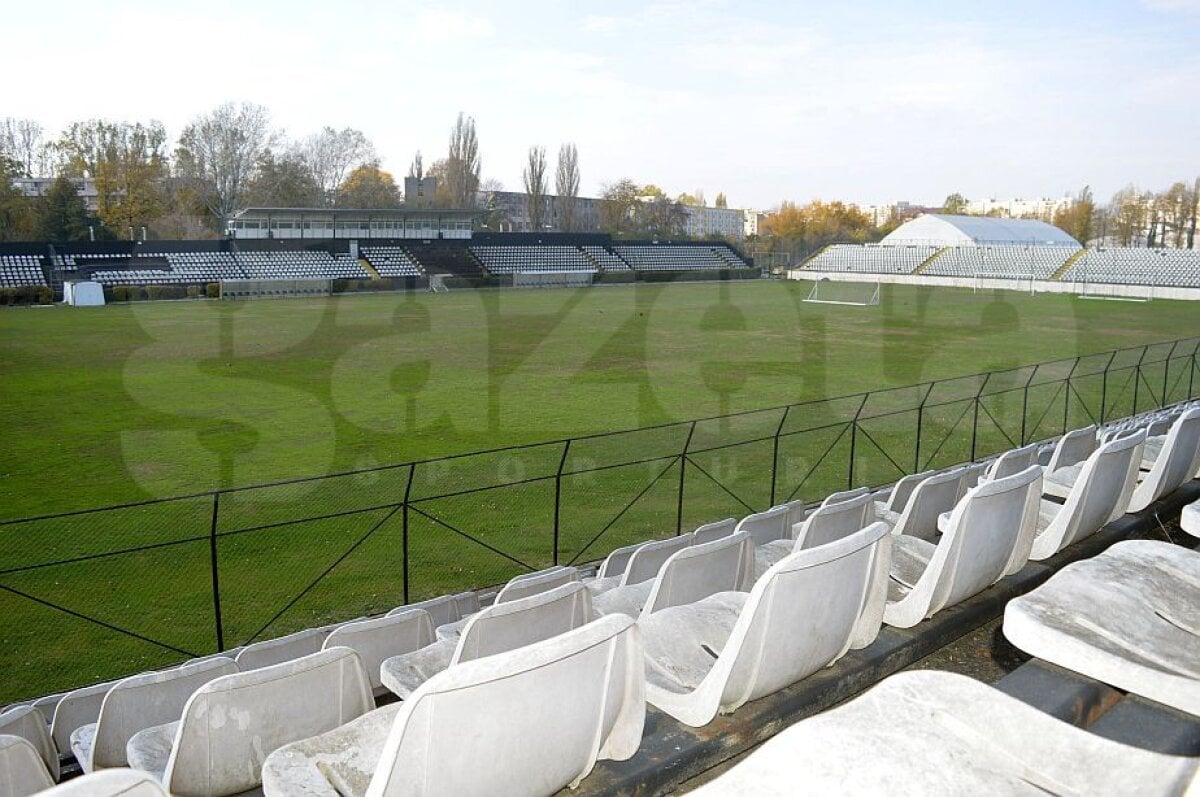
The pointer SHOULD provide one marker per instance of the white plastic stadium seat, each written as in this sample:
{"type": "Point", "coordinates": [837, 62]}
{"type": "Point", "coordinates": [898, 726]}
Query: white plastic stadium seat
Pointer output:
{"type": "Point", "coordinates": [27, 722]}
{"type": "Point", "coordinates": [713, 531]}
{"type": "Point", "coordinates": [496, 629]}
{"type": "Point", "coordinates": [1126, 617]}
{"type": "Point", "coordinates": [989, 536]}
{"type": "Point", "coordinates": [1100, 495]}
{"type": "Point", "coordinates": [118, 782]}
{"type": "Point", "coordinates": [643, 564]}
{"type": "Point", "coordinates": [527, 722]}
{"type": "Point", "coordinates": [281, 649]}
{"type": "Point", "coordinates": [77, 707]}
{"type": "Point", "coordinates": [898, 496]}
{"type": "Point", "coordinates": [940, 733]}
{"type": "Point", "coordinates": [723, 565]}
{"type": "Point", "coordinates": [767, 526]}
{"type": "Point", "coordinates": [732, 647]}
{"type": "Point", "coordinates": [22, 770]}
{"type": "Point", "coordinates": [827, 523]}
{"type": "Point", "coordinates": [1013, 461]}
{"type": "Point", "coordinates": [383, 637]}
{"type": "Point", "coordinates": [1072, 448]}
{"type": "Point", "coordinates": [140, 702]}
{"type": "Point", "coordinates": [932, 496]}
{"type": "Point", "coordinates": [443, 609]}
{"type": "Point", "coordinates": [1189, 519]}
{"type": "Point", "coordinates": [532, 583]}
{"type": "Point", "coordinates": [208, 753]}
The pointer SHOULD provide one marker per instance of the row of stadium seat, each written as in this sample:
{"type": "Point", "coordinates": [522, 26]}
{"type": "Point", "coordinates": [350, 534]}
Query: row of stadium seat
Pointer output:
{"type": "Point", "coordinates": [1170, 267]}
{"type": "Point", "coordinates": [19, 271]}
{"type": "Point", "coordinates": [679, 258]}
{"type": "Point", "coordinates": [1038, 262]}
{"type": "Point", "coordinates": [694, 625]}
{"type": "Point", "coordinates": [871, 259]}
{"type": "Point", "coordinates": [512, 259]}
{"type": "Point", "coordinates": [392, 261]}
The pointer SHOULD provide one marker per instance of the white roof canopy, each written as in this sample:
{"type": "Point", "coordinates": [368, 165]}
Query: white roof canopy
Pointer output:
{"type": "Point", "coordinates": [937, 229]}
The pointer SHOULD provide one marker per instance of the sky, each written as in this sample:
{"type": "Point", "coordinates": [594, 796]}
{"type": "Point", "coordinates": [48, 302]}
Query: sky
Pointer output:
{"type": "Point", "coordinates": [866, 102]}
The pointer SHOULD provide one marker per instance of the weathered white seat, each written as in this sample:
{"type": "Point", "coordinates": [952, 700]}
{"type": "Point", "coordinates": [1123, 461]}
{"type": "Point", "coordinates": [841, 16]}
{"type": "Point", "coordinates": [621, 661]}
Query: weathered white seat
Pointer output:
{"type": "Point", "coordinates": [713, 531]}
{"type": "Point", "coordinates": [231, 724]}
{"type": "Point", "coordinates": [932, 496]}
{"type": "Point", "coordinates": [1100, 495]}
{"type": "Point", "coordinates": [939, 733]}
{"type": "Point", "coordinates": [989, 536]}
{"type": "Point", "coordinates": [844, 495]}
{"type": "Point", "coordinates": [767, 526]}
{"type": "Point", "coordinates": [804, 613]}
{"type": "Point", "coordinates": [381, 638]}
{"type": "Point", "coordinates": [22, 769]}
{"type": "Point", "coordinates": [1072, 448]}
{"type": "Point", "coordinates": [1189, 519]}
{"type": "Point", "coordinates": [532, 583]}
{"type": "Point", "coordinates": [498, 628]}
{"type": "Point", "coordinates": [969, 476]}
{"type": "Point", "coordinates": [902, 490]}
{"type": "Point", "coordinates": [1174, 465]}
{"type": "Point", "coordinates": [47, 705]}
{"type": "Point", "coordinates": [643, 564]}
{"type": "Point", "coordinates": [118, 782]}
{"type": "Point", "coordinates": [27, 722]}
{"type": "Point", "coordinates": [528, 721]}
{"type": "Point", "coordinates": [796, 510]}
{"type": "Point", "coordinates": [444, 609]}
{"type": "Point", "coordinates": [77, 707]}
{"type": "Point", "coordinates": [281, 649]}
{"type": "Point", "coordinates": [690, 574]}
{"type": "Point", "coordinates": [1013, 461]}
{"type": "Point", "coordinates": [827, 523]}
{"type": "Point", "coordinates": [140, 702]}
{"type": "Point", "coordinates": [1127, 617]}
{"type": "Point", "coordinates": [613, 566]}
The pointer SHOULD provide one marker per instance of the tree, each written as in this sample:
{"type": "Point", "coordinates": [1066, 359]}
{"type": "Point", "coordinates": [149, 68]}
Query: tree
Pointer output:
{"type": "Point", "coordinates": [1077, 218]}
{"type": "Point", "coordinates": [463, 163]}
{"type": "Point", "coordinates": [566, 186]}
{"type": "Point", "coordinates": [721, 201]}
{"type": "Point", "coordinates": [955, 205]}
{"type": "Point", "coordinates": [805, 228]}
{"type": "Point", "coordinates": [368, 186]}
{"type": "Point", "coordinates": [651, 190]}
{"type": "Point", "coordinates": [660, 217]}
{"type": "Point", "coordinates": [21, 142]}
{"type": "Point", "coordinates": [617, 204]}
{"type": "Point", "coordinates": [284, 181]}
{"type": "Point", "coordinates": [220, 150]}
{"type": "Point", "coordinates": [534, 177]}
{"type": "Point", "coordinates": [417, 169]}
{"type": "Point", "coordinates": [128, 163]}
{"type": "Point", "coordinates": [1127, 215]}
{"type": "Point", "coordinates": [333, 154]}
{"type": "Point", "coordinates": [16, 217]}
{"type": "Point", "coordinates": [62, 214]}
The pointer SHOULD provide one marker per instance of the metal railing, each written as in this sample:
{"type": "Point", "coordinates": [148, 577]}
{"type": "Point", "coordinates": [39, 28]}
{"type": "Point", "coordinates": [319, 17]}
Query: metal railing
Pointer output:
{"type": "Point", "coordinates": [98, 593]}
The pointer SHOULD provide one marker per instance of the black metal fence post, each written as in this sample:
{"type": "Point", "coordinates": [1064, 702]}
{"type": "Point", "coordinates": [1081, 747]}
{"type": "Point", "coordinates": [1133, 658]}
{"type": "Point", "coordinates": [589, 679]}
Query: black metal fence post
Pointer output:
{"type": "Point", "coordinates": [1192, 373]}
{"type": "Point", "coordinates": [558, 494]}
{"type": "Point", "coordinates": [1066, 397]}
{"type": "Point", "coordinates": [975, 419]}
{"type": "Point", "coordinates": [1025, 404]}
{"type": "Point", "coordinates": [412, 471]}
{"type": "Point", "coordinates": [682, 470]}
{"type": "Point", "coordinates": [854, 441]}
{"type": "Point", "coordinates": [216, 578]}
{"type": "Point", "coordinates": [1137, 379]}
{"type": "Point", "coordinates": [775, 452]}
{"type": "Point", "coordinates": [920, 423]}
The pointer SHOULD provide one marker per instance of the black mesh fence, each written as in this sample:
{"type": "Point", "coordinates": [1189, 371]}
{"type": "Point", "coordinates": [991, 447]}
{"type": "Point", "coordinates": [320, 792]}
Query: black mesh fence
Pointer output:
{"type": "Point", "coordinates": [93, 595]}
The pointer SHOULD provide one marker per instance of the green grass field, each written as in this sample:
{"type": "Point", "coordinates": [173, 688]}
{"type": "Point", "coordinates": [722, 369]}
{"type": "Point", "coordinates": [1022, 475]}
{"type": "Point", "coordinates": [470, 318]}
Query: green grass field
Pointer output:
{"type": "Point", "coordinates": [147, 401]}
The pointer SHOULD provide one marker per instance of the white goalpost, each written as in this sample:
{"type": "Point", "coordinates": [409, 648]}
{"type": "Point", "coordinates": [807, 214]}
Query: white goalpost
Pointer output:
{"type": "Point", "coordinates": [853, 294]}
{"type": "Point", "coordinates": [1009, 282]}
{"type": "Point", "coordinates": [1105, 290]}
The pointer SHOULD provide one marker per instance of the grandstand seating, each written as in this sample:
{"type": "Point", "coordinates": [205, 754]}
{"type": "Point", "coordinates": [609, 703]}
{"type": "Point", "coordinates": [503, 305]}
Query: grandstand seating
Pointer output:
{"type": "Point", "coordinates": [675, 257]}
{"type": "Point", "coordinates": [826, 524]}
{"type": "Point", "coordinates": [391, 261]}
{"type": "Point", "coordinates": [642, 564]}
{"type": "Point", "coordinates": [297, 265]}
{"type": "Point", "coordinates": [110, 783]}
{"type": "Point", "coordinates": [381, 638]}
{"type": "Point", "coordinates": [1039, 262]}
{"type": "Point", "coordinates": [18, 271]}
{"type": "Point", "coordinates": [1167, 267]}
{"type": "Point", "coordinates": [27, 723]}
{"type": "Point", "coordinates": [871, 259]}
{"type": "Point", "coordinates": [605, 259]}
{"type": "Point", "coordinates": [765, 527]}
{"type": "Point", "coordinates": [713, 531]}
{"type": "Point", "coordinates": [1072, 448]}
{"type": "Point", "coordinates": [513, 259]}
{"type": "Point", "coordinates": [22, 771]}
{"type": "Point", "coordinates": [281, 649]}
{"type": "Point", "coordinates": [932, 496]}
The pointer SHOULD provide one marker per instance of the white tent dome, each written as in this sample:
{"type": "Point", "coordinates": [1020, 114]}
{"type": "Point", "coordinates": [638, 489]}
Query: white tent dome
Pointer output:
{"type": "Point", "coordinates": [937, 229]}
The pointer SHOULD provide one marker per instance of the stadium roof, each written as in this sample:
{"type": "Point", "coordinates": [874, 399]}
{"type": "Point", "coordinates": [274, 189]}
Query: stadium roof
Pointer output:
{"type": "Point", "coordinates": [942, 230]}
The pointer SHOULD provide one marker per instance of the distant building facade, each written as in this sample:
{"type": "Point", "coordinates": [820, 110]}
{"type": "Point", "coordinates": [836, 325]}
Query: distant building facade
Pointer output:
{"type": "Point", "coordinates": [509, 212]}
{"type": "Point", "coordinates": [34, 187]}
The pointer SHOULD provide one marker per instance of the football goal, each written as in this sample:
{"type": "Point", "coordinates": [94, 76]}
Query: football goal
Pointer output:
{"type": "Point", "coordinates": [1005, 282]}
{"type": "Point", "coordinates": [1107, 290]}
{"type": "Point", "coordinates": [857, 294]}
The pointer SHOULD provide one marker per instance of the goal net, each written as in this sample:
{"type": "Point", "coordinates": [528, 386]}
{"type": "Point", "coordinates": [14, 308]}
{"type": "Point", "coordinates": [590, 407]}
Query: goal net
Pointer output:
{"type": "Point", "coordinates": [858, 294]}
{"type": "Point", "coordinates": [1007, 282]}
{"type": "Point", "coordinates": [1107, 290]}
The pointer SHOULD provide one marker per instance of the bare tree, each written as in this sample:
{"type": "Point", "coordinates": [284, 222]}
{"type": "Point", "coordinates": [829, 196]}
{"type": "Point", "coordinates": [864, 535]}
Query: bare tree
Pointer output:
{"type": "Point", "coordinates": [566, 186]}
{"type": "Point", "coordinates": [332, 154]}
{"type": "Point", "coordinates": [221, 150]}
{"type": "Point", "coordinates": [417, 169]}
{"type": "Point", "coordinates": [463, 163]}
{"type": "Point", "coordinates": [535, 187]}
{"type": "Point", "coordinates": [21, 141]}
